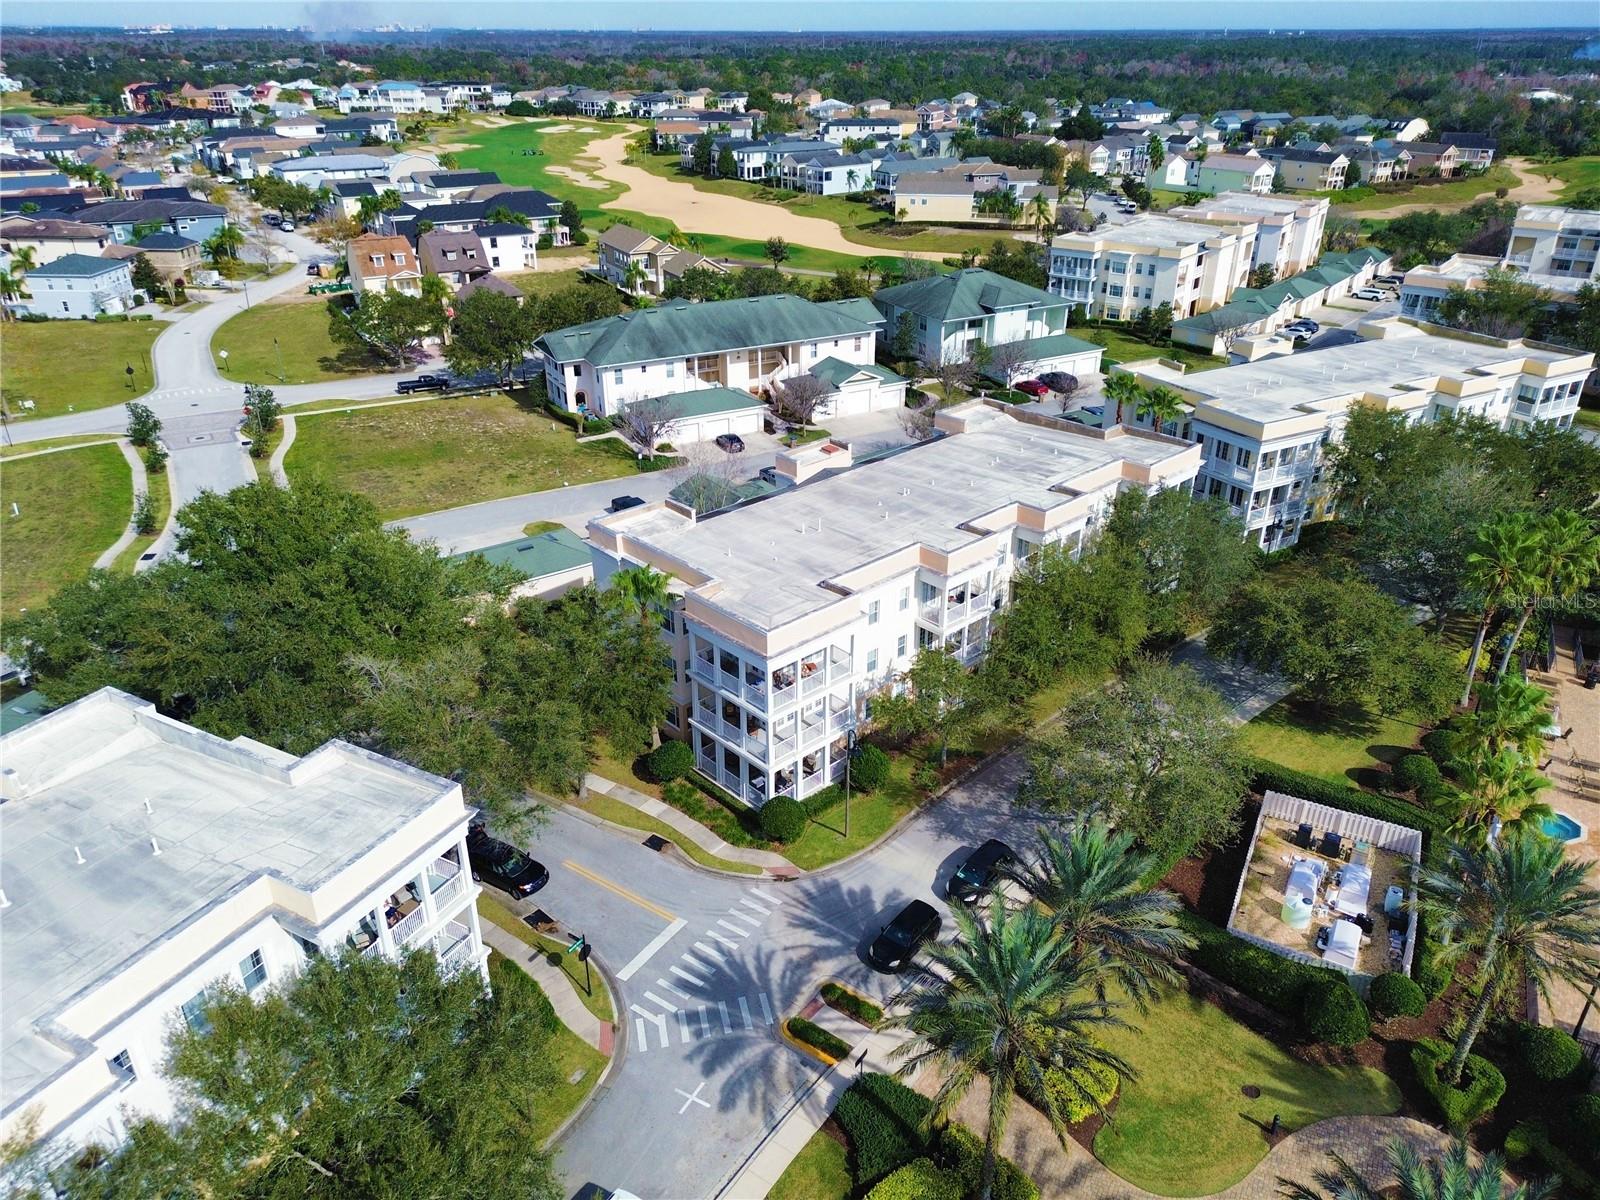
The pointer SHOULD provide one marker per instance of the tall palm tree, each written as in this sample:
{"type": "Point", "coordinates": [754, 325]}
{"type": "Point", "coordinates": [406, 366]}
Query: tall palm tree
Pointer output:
{"type": "Point", "coordinates": [1502, 564]}
{"type": "Point", "coordinates": [23, 260]}
{"type": "Point", "coordinates": [644, 588]}
{"type": "Point", "coordinates": [1524, 909]}
{"type": "Point", "coordinates": [1161, 404]}
{"type": "Point", "coordinates": [634, 275]}
{"type": "Point", "coordinates": [1124, 391]}
{"type": "Point", "coordinates": [1569, 558]}
{"type": "Point", "coordinates": [1501, 788]}
{"type": "Point", "coordinates": [1009, 1001]}
{"type": "Point", "coordinates": [10, 289]}
{"type": "Point", "coordinates": [1092, 883]}
{"type": "Point", "coordinates": [1510, 712]}
{"type": "Point", "coordinates": [224, 243]}
{"type": "Point", "coordinates": [1043, 212]}
{"type": "Point", "coordinates": [1452, 1177]}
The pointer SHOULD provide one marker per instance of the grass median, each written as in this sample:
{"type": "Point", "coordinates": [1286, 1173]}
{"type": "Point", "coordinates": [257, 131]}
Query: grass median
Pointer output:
{"type": "Point", "coordinates": [74, 366]}
{"type": "Point", "coordinates": [597, 1000]}
{"type": "Point", "coordinates": [70, 507]}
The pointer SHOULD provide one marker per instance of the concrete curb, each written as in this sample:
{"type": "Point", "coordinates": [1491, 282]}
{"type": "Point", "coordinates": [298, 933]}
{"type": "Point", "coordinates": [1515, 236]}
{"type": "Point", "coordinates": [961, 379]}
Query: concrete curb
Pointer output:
{"type": "Point", "coordinates": [632, 831]}
{"type": "Point", "coordinates": [619, 1050]}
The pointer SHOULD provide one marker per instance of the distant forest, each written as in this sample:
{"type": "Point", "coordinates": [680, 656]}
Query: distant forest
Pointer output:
{"type": "Point", "coordinates": [1454, 80]}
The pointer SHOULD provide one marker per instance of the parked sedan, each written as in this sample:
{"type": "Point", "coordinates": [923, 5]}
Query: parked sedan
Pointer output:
{"type": "Point", "coordinates": [980, 872]}
{"type": "Point", "coordinates": [897, 942]}
{"type": "Point", "coordinates": [623, 503]}
{"type": "Point", "coordinates": [731, 442]}
{"type": "Point", "coordinates": [502, 864]}
{"type": "Point", "coordinates": [1032, 387]}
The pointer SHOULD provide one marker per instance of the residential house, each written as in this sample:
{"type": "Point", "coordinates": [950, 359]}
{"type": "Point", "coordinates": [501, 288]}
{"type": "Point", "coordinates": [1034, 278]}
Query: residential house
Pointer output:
{"type": "Point", "coordinates": [511, 248]}
{"type": "Point", "coordinates": [1264, 427]}
{"type": "Point", "coordinates": [1120, 108]}
{"type": "Point", "coordinates": [805, 99]}
{"type": "Point", "coordinates": [1380, 161]}
{"type": "Point", "coordinates": [51, 238]}
{"type": "Point", "coordinates": [1117, 270]}
{"type": "Point", "coordinates": [491, 283]}
{"type": "Point", "coordinates": [382, 263]}
{"type": "Point", "coordinates": [776, 655]}
{"type": "Point", "coordinates": [1179, 172]}
{"type": "Point", "coordinates": [76, 286]}
{"type": "Point", "coordinates": [1308, 170]}
{"type": "Point", "coordinates": [1288, 229]}
{"type": "Point", "coordinates": [446, 185]}
{"type": "Point", "coordinates": [542, 210]}
{"type": "Point", "coordinates": [1431, 158]}
{"type": "Point", "coordinates": [1405, 129]}
{"type": "Point", "coordinates": [754, 159]}
{"type": "Point", "coordinates": [345, 198]}
{"type": "Point", "coordinates": [972, 193]}
{"type": "Point", "coordinates": [403, 97]}
{"type": "Point", "coordinates": [1216, 173]}
{"type": "Point", "coordinates": [226, 862]}
{"type": "Point", "coordinates": [218, 97]}
{"type": "Point", "coordinates": [733, 101]}
{"type": "Point", "coordinates": [649, 104]}
{"type": "Point", "coordinates": [176, 258]}
{"type": "Point", "coordinates": [952, 314]}
{"type": "Point", "coordinates": [382, 127]}
{"type": "Point", "coordinates": [828, 172]}
{"type": "Point", "coordinates": [1473, 150]}
{"type": "Point", "coordinates": [936, 115]}
{"type": "Point", "coordinates": [892, 167]}
{"type": "Point", "coordinates": [874, 106]}
{"type": "Point", "coordinates": [843, 129]}
{"type": "Point", "coordinates": [829, 110]}
{"type": "Point", "coordinates": [309, 126]}
{"type": "Point", "coordinates": [456, 258]}
{"type": "Point", "coordinates": [318, 169]}
{"type": "Point", "coordinates": [643, 265]}
{"type": "Point", "coordinates": [197, 219]}
{"type": "Point", "coordinates": [748, 345]}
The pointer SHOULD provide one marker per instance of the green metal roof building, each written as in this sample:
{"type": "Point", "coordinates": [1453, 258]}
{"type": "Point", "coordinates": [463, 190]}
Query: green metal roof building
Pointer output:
{"type": "Point", "coordinates": [550, 562]}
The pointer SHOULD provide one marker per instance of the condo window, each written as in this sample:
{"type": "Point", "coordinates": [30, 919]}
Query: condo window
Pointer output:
{"type": "Point", "coordinates": [253, 969]}
{"type": "Point", "coordinates": [900, 646]}
{"type": "Point", "coordinates": [873, 610]}
{"type": "Point", "coordinates": [194, 1012]}
{"type": "Point", "coordinates": [872, 662]}
{"type": "Point", "coordinates": [905, 598]}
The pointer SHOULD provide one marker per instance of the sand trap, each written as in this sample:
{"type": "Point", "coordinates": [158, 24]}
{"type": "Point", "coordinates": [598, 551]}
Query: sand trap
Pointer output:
{"type": "Point", "coordinates": [694, 211]}
{"type": "Point", "coordinates": [1533, 189]}
{"type": "Point", "coordinates": [581, 178]}
{"type": "Point", "coordinates": [454, 147]}
{"type": "Point", "coordinates": [586, 129]}
{"type": "Point", "coordinates": [555, 128]}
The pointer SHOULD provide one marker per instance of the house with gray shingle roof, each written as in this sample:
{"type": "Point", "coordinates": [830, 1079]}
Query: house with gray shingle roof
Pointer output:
{"type": "Point", "coordinates": [77, 285]}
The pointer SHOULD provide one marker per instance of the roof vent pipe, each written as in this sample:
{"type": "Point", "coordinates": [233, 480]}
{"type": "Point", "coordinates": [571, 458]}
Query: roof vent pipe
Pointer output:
{"type": "Point", "coordinates": [77, 854]}
{"type": "Point", "coordinates": [155, 848]}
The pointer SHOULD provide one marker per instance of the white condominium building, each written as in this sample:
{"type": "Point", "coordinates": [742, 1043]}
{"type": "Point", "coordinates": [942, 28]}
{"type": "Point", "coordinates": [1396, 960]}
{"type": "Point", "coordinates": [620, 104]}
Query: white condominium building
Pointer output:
{"type": "Point", "coordinates": [1117, 270]}
{"type": "Point", "coordinates": [1262, 426]}
{"type": "Point", "coordinates": [1288, 229]}
{"type": "Point", "coordinates": [146, 861]}
{"type": "Point", "coordinates": [1563, 242]}
{"type": "Point", "coordinates": [793, 610]}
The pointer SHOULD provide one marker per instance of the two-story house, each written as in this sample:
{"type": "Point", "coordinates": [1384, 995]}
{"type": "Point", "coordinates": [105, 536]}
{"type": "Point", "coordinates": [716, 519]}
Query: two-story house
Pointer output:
{"type": "Point", "coordinates": [76, 286]}
{"type": "Point", "coordinates": [1216, 173]}
{"type": "Point", "coordinates": [1305, 169]}
{"type": "Point", "coordinates": [51, 237]}
{"type": "Point", "coordinates": [456, 258]}
{"type": "Point", "coordinates": [1288, 228]}
{"type": "Point", "coordinates": [382, 263]}
{"type": "Point", "coordinates": [644, 265]}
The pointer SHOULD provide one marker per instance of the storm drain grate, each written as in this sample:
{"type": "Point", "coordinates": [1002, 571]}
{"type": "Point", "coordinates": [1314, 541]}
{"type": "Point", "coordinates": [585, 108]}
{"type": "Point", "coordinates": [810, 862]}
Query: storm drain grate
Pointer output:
{"type": "Point", "coordinates": [656, 842]}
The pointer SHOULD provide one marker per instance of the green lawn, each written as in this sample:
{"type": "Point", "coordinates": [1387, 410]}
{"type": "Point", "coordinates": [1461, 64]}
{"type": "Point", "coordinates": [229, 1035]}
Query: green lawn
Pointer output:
{"type": "Point", "coordinates": [1588, 417]}
{"type": "Point", "coordinates": [71, 366]}
{"type": "Point", "coordinates": [1338, 747]}
{"type": "Point", "coordinates": [291, 337]}
{"type": "Point", "coordinates": [1575, 173]}
{"type": "Point", "coordinates": [1122, 347]}
{"type": "Point", "coordinates": [1183, 1131]}
{"type": "Point", "coordinates": [18, 449]}
{"type": "Point", "coordinates": [597, 1001]}
{"type": "Point", "coordinates": [72, 506]}
{"type": "Point", "coordinates": [542, 283]}
{"type": "Point", "coordinates": [417, 458]}
{"type": "Point", "coordinates": [1453, 192]}
{"type": "Point", "coordinates": [821, 1171]}
{"type": "Point", "coordinates": [872, 815]}
{"type": "Point", "coordinates": [619, 813]}
{"type": "Point", "coordinates": [161, 499]}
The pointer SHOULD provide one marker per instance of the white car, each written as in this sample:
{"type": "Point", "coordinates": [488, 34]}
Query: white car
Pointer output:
{"type": "Point", "coordinates": [1368, 293]}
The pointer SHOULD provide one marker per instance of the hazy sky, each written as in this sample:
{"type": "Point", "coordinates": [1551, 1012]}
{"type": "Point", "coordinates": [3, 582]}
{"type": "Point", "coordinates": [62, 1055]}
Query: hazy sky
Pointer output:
{"type": "Point", "coordinates": [861, 15]}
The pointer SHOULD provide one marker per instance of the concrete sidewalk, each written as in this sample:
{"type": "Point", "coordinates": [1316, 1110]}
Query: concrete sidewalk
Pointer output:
{"type": "Point", "coordinates": [773, 864]}
{"type": "Point", "coordinates": [554, 983]}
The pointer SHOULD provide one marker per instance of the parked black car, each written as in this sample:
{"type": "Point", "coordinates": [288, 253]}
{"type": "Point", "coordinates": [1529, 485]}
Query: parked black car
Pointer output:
{"type": "Point", "coordinates": [502, 864]}
{"type": "Point", "coordinates": [731, 442]}
{"type": "Point", "coordinates": [619, 503]}
{"type": "Point", "coordinates": [423, 383]}
{"type": "Point", "coordinates": [1059, 381]}
{"type": "Point", "coordinates": [897, 942]}
{"type": "Point", "coordinates": [980, 872]}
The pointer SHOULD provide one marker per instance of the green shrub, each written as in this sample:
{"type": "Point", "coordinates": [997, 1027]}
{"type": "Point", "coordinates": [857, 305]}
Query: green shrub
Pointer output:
{"type": "Point", "coordinates": [1100, 1081]}
{"type": "Point", "coordinates": [1437, 744]}
{"type": "Point", "coordinates": [816, 1037]}
{"type": "Point", "coordinates": [1270, 776]}
{"type": "Point", "coordinates": [1551, 1054]}
{"type": "Point", "coordinates": [852, 1005]}
{"type": "Point", "coordinates": [515, 989]}
{"type": "Point", "coordinates": [918, 1180]}
{"type": "Point", "coordinates": [1279, 983]}
{"type": "Point", "coordinates": [869, 769]}
{"type": "Point", "coordinates": [783, 819]}
{"type": "Point", "coordinates": [822, 800]}
{"type": "Point", "coordinates": [961, 1151]}
{"type": "Point", "coordinates": [886, 1123]}
{"type": "Point", "coordinates": [1583, 1120]}
{"type": "Point", "coordinates": [1335, 1015]}
{"type": "Point", "coordinates": [669, 761]}
{"type": "Point", "coordinates": [1482, 1085]}
{"type": "Point", "coordinates": [925, 778]}
{"type": "Point", "coordinates": [1531, 1139]}
{"type": "Point", "coordinates": [1417, 773]}
{"type": "Point", "coordinates": [1396, 995]}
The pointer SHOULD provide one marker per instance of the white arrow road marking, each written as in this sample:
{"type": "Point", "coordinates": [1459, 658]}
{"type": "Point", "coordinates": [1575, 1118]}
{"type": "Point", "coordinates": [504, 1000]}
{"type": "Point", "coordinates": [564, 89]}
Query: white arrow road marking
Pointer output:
{"type": "Point", "coordinates": [692, 1098]}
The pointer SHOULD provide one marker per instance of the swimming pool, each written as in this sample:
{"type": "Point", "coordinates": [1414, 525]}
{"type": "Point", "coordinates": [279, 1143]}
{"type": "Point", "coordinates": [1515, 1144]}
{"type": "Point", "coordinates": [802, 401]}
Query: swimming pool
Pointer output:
{"type": "Point", "coordinates": [1561, 827]}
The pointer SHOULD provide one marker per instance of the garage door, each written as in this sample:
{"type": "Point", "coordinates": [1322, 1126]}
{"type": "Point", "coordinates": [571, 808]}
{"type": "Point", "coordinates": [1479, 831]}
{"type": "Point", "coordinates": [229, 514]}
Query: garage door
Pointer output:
{"type": "Point", "coordinates": [712, 427]}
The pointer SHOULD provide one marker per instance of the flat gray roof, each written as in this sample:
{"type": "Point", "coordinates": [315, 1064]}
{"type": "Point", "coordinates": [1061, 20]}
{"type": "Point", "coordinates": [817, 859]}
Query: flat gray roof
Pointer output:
{"type": "Point", "coordinates": [222, 813]}
{"type": "Point", "coordinates": [1144, 230]}
{"type": "Point", "coordinates": [1289, 385]}
{"type": "Point", "coordinates": [771, 558]}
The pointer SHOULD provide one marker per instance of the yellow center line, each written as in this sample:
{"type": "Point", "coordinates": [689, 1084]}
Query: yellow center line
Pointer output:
{"type": "Point", "coordinates": [619, 890]}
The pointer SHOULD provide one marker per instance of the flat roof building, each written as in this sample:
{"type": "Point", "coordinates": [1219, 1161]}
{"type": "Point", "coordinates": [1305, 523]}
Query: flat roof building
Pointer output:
{"type": "Point", "coordinates": [145, 860]}
{"type": "Point", "coordinates": [1117, 270]}
{"type": "Point", "coordinates": [1288, 228]}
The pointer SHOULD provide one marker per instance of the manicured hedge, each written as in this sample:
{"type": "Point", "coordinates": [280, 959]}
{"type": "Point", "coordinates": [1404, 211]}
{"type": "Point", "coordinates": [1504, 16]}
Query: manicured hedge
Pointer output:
{"type": "Point", "coordinates": [1437, 743]}
{"type": "Point", "coordinates": [1270, 776]}
{"type": "Point", "coordinates": [850, 1004]}
{"type": "Point", "coordinates": [669, 761]}
{"type": "Point", "coordinates": [886, 1123]}
{"type": "Point", "coordinates": [1531, 1139]}
{"type": "Point", "coordinates": [1482, 1085]}
{"type": "Point", "coordinates": [1279, 983]}
{"type": "Point", "coordinates": [816, 1037]}
{"type": "Point", "coordinates": [1335, 1015]}
{"type": "Point", "coordinates": [1396, 995]}
{"type": "Point", "coordinates": [920, 1179]}
{"type": "Point", "coordinates": [869, 769]}
{"type": "Point", "coordinates": [783, 819]}
{"type": "Point", "coordinates": [1551, 1054]}
{"type": "Point", "coordinates": [961, 1152]}
{"type": "Point", "coordinates": [1417, 773]}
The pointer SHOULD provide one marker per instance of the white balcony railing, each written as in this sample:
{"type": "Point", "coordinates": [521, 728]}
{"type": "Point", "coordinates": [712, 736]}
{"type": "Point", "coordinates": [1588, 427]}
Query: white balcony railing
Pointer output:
{"type": "Point", "coordinates": [701, 669]}
{"type": "Point", "coordinates": [405, 930]}
{"type": "Point", "coordinates": [455, 947]}
{"type": "Point", "coordinates": [449, 890]}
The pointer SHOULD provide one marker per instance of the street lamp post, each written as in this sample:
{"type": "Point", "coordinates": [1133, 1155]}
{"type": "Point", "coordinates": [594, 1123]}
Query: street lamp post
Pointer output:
{"type": "Point", "coordinates": [849, 753]}
{"type": "Point", "coordinates": [279, 350]}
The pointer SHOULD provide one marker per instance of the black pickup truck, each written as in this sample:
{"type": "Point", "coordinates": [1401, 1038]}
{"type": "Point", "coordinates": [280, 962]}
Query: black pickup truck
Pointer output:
{"type": "Point", "coordinates": [423, 383]}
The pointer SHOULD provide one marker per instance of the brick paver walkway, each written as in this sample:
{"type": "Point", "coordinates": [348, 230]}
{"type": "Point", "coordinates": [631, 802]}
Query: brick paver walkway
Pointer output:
{"type": "Point", "coordinates": [1031, 1144]}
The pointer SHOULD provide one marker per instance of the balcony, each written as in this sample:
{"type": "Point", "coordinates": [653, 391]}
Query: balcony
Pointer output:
{"type": "Point", "coordinates": [784, 691]}
{"type": "Point", "coordinates": [842, 720]}
{"type": "Point", "coordinates": [455, 948]}
{"type": "Point", "coordinates": [703, 668]}
{"type": "Point", "coordinates": [446, 881]}
{"type": "Point", "coordinates": [405, 930]}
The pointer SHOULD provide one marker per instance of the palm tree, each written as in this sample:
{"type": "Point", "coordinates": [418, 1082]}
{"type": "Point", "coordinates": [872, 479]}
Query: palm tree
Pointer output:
{"type": "Point", "coordinates": [1569, 558]}
{"type": "Point", "coordinates": [850, 178]}
{"type": "Point", "coordinates": [1093, 885]}
{"type": "Point", "coordinates": [224, 243]}
{"type": "Point", "coordinates": [1524, 909]}
{"type": "Point", "coordinates": [634, 276]}
{"type": "Point", "coordinates": [1124, 391]}
{"type": "Point", "coordinates": [1452, 1177]}
{"type": "Point", "coordinates": [1009, 1001]}
{"type": "Point", "coordinates": [644, 588]}
{"type": "Point", "coordinates": [1502, 563]}
{"type": "Point", "coordinates": [1161, 404]}
{"type": "Point", "coordinates": [23, 260]}
{"type": "Point", "coordinates": [1043, 213]}
{"type": "Point", "coordinates": [1510, 712]}
{"type": "Point", "coordinates": [1501, 790]}
{"type": "Point", "coordinates": [10, 289]}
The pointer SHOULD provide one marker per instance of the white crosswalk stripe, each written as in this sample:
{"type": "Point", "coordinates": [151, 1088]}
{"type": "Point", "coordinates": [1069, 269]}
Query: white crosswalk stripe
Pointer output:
{"type": "Point", "coordinates": [720, 939]}
{"type": "Point", "coordinates": [666, 1004]}
{"type": "Point", "coordinates": [767, 896]}
{"type": "Point", "coordinates": [731, 928]}
{"type": "Point", "coordinates": [695, 1022]}
{"type": "Point", "coordinates": [682, 974]}
{"type": "Point", "coordinates": [743, 916]}
{"type": "Point", "coordinates": [762, 909]}
{"type": "Point", "coordinates": [662, 983]}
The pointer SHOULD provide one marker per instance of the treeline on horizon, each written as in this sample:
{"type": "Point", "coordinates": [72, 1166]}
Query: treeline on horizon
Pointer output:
{"type": "Point", "coordinates": [1453, 80]}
